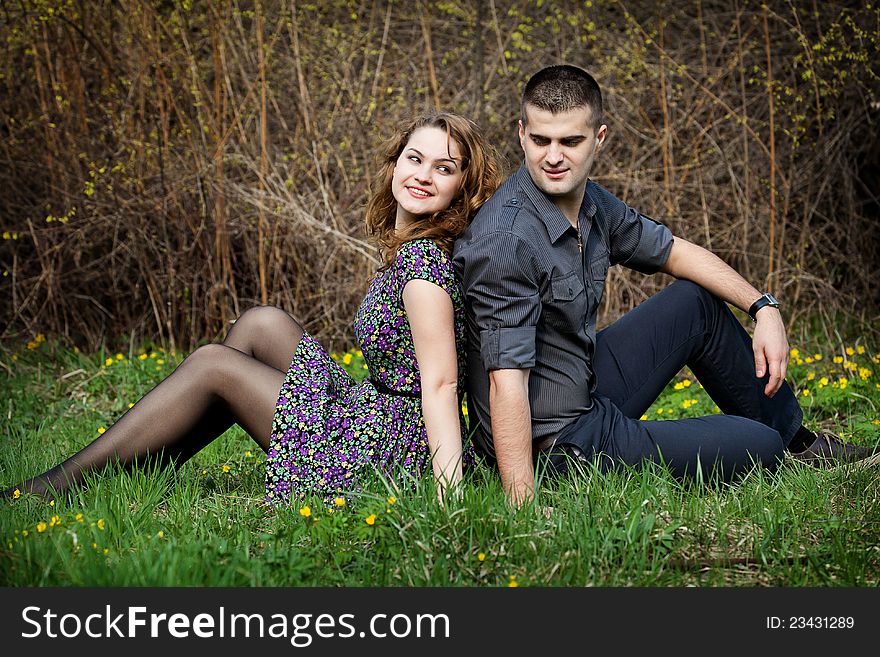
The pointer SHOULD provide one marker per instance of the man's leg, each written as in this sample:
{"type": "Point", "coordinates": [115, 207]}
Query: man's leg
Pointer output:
{"type": "Point", "coordinates": [723, 446]}
{"type": "Point", "coordinates": [639, 354]}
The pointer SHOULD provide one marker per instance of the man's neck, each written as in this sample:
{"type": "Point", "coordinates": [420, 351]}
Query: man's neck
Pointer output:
{"type": "Point", "coordinates": [570, 205]}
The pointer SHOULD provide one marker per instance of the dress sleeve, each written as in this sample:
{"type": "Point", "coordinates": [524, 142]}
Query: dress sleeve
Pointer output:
{"type": "Point", "coordinates": [424, 260]}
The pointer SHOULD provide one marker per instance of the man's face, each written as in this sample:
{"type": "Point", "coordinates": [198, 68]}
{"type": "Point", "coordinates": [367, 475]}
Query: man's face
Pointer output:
{"type": "Point", "coordinates": [559, 150]}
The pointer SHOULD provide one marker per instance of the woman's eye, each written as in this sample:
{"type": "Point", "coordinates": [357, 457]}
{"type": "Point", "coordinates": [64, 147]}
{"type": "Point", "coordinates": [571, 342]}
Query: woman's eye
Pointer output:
{"type": "Point", "coordinates": [413, 158]}
{"type": "Point", "coordinates": [444, 169]}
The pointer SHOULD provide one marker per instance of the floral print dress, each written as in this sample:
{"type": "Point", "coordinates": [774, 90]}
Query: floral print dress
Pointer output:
{"type": "Point", "coordinates": [329, 432]}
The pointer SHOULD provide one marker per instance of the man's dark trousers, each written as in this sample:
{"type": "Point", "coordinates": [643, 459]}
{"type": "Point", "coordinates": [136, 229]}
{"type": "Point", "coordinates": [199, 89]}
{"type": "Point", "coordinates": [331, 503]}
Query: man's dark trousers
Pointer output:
{"type": "Point", "coordinates": [638, 355]}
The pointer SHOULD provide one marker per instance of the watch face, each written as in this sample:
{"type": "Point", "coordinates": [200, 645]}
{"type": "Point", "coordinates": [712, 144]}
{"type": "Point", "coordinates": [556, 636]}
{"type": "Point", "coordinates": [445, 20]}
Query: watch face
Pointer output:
{"type": "Point", "coordinates": [771, 299]}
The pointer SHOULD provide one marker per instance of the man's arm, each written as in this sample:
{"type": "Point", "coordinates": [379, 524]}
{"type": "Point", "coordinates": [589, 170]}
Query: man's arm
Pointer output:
{"type": "Point", "coordinates": [512, 432]}
{"type": "Point", "coordinates": [769, 343]}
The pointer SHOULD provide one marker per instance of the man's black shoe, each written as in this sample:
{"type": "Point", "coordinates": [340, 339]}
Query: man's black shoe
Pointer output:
{"type": "Point", "coordinates": [828, 451]}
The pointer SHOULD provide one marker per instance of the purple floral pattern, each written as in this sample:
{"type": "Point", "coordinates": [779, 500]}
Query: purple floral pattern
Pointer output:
{"type": "Point", "coordinates": [328, 431]}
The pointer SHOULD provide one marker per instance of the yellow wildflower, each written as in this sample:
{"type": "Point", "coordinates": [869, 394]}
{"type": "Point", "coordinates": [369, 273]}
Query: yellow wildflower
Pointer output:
{"type": "Point", "coordinates": [817, 356]}
{"type": "Point", "coordinates": [808, 359]}
{"type": "Point", "coordinates": [101, 429]}
{"type": "Point", "coordinates": [106, 550]}
{"type": "Point", "coordinates": [843, 381]}
{"type": "Point", "coordinates": [41, 527]}
{"type": "Point", "coordinates": [512, 583]}
{"type": "Point", "coordinates": [644, 417]}
{"type": "Point", "coordinates": [850, 351]}
{"type": "Point", "coordinates": [392, 500]}
{"type": "Point", "coordinates": [79, 517]}
{"type": "Point", "coordinates": [153, 354]}
{"type": "Point", "coordinates": [101, 524]}
{"type": "Point", "coordinates": [16, 494]}
{"type": "Point", "coordinates": [805, 392]}
{"type": "Point", "coordinates": [142, 357]}
{"type": "Point", "coordinates": [108, 362]}
{"type": "Point", "coordinates": [131, 405]}
{"type": "Point", "coordinates": [339, 501]}
{"type": "Point", "coordinates": [823, 382]}
{"type": "Point", "coordinates": [794, 353]}
{"type": "Point", "coordinates": [811, 376]}
{"type": "Point", "coordinates": [161, 534]}
{"type": "Point", "coordinates": [481, 556]}
{"type": "Point", "coordinates": [305, 512]}
{"type": "Point", "coordinates": [686, 383]}
{"type": "Point", "coordinates": [678, 386]}
{"type": "Point", "coordinates": [54, 520]}
{"type": "Point", "coordinates": [659, 411]}
{"type": "Point", "coordinates": [838, 359]}
{"type": "Point", "coordinates": [859, 350]}
{"type": "Point", "coordinates": [248, 454]}
{"type": "Point", "coordinates": [226, 468]}
{"type": "Point", "coordinates": [25, 533]}
{"type": "Point", "coordinates": [347, 359]}
{"type": "Point", "coordinates": [864, 373]}
{"type": "Point", "coordinates": [160, 361]}
{"type": "Point", "coordinates": [370, 519]}
{"type": "Point", "coordinates": [119, 356]}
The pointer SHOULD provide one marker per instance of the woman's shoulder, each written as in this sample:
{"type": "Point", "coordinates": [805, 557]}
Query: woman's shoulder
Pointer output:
{"type": "Point", "coordinates": [422, 251]}
{"type": "Point", "coordinates": [423, 258]}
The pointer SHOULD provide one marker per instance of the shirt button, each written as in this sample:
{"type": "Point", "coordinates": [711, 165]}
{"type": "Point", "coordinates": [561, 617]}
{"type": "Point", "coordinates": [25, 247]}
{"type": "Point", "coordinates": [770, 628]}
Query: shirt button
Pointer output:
{"type": "Point", "coordinates": [514, 201]}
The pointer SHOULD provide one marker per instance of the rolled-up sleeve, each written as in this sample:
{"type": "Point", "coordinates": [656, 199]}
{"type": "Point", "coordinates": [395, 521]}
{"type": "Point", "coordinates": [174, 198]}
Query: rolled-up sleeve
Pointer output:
{"type": "Point", "coordinates": [653, 246]}
{"type": "Point", "coordinates": [501, 290]}
{"type": "Point", "coordinates": [636, 241]}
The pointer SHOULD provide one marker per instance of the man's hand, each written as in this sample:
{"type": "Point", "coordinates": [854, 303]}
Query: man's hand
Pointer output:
{"type": "Point", "coordinates": [770, 345]}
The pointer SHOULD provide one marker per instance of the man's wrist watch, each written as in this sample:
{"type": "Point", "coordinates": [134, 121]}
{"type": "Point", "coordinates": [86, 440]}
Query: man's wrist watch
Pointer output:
{"type": "Point", "coordinates": [765, 299]}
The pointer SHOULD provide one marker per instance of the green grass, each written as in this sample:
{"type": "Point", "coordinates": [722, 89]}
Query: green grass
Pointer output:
{"type": "Point", "coordinates": [205, 524]}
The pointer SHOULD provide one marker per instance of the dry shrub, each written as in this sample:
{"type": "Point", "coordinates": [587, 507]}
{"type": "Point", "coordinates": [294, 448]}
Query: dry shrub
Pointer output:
{"type": "Point", "coordinates": [167, 165]}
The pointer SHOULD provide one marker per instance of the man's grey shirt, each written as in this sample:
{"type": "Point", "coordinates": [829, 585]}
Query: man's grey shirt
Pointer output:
{"type": "Point", "coordinates": [532, 296]}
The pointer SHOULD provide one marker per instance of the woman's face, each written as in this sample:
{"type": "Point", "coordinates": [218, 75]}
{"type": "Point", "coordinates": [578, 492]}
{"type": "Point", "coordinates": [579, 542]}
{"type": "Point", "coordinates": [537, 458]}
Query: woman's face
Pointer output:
{"type": "Point", "coordinates": [427, 175]}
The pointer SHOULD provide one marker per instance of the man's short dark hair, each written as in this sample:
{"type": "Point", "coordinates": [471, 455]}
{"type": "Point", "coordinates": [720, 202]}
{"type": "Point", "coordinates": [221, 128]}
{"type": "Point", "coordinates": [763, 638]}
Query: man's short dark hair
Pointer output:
{"type": "Point", "coordinates": [561, 88]}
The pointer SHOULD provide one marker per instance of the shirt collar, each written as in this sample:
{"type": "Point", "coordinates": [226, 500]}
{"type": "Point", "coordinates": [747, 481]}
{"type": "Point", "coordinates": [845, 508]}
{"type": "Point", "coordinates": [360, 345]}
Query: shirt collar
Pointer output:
{"type": "Point", "coordinates": [552, 216]}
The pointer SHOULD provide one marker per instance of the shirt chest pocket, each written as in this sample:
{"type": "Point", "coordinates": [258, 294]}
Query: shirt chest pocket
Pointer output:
{"type": "Point", "coordinates": [566, 305]}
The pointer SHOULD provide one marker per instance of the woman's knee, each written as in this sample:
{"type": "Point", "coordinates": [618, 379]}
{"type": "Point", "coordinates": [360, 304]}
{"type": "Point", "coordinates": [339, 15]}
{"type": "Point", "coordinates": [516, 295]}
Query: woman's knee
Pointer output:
{"type": "Point", "coordinates": [263, 317]}
{"type": "Point", "coordinates": [206, 359]}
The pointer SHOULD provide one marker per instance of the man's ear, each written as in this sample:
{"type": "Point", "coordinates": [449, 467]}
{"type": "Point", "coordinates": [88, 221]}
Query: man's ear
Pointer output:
{"type": "Point", "coordinates": [522, 135]}
{"type": "Point", "coordinates": [601, 134]}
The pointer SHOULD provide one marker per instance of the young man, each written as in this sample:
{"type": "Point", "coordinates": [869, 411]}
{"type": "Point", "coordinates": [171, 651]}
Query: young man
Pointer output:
{"type": "Point", "coordinates": [533, 265]}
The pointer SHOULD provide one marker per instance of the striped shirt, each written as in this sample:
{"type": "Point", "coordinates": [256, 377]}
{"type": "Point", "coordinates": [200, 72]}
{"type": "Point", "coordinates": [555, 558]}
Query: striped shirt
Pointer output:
{"type": "Point", "coordinates": [533, 284]}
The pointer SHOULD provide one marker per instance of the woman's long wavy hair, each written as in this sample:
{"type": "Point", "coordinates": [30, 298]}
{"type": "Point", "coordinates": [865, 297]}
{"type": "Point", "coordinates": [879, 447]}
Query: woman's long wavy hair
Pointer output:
{"type": "Point", "coordinates": [481, 177]}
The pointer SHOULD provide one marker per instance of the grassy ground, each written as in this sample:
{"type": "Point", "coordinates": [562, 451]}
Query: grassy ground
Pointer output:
{"type": "Point", "coordinates": [205, 524]}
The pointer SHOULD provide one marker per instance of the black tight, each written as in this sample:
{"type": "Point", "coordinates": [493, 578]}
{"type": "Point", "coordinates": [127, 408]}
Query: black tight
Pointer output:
{"type": "Point", "coordinates": [216, 386]}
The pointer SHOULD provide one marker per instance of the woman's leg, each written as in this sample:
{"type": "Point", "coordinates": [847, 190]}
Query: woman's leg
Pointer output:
{"type": "Point", "coordinates": [214, 387]}
{"type": "Point", "coordinates": [266, 333]}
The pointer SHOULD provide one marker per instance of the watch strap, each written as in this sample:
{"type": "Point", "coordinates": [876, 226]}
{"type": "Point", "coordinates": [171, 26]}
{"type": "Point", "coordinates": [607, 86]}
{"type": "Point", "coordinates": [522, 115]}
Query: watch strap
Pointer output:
{"type": "Point", "coordinates": [765, 299]}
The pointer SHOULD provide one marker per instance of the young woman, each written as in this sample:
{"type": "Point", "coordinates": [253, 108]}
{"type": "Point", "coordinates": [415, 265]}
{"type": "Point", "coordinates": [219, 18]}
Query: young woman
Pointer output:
{"type": "Point", "coordinates": [323, 432]}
